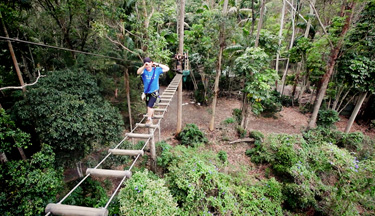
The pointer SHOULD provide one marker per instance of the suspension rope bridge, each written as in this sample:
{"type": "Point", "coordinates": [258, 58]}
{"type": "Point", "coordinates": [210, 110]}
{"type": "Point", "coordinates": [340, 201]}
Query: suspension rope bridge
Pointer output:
{"type": "Point", "coordinates": [166, 98]}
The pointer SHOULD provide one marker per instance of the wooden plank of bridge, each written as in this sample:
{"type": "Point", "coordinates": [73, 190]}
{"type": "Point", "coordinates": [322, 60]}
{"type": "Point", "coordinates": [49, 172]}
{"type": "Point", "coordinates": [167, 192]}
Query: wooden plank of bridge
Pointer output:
{"type": "Point", "coordinates": [163, 104]}
{"type": "Point", "coordinates": [138, 135]}
{"type": "Point", "coordinates": [60, 209]}
{"type": "Point", "coordinates": [126, 152]}
{"type": "Point", "coordinates": [109, 173]}
{"type": "Point", "coordinates": [155, 117]}
{"type": "Point", "coordinates": [147, 126]}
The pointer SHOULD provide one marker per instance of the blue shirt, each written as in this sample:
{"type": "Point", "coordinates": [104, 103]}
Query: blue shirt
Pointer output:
{"type": "Point", "coordinates": [146, 77]}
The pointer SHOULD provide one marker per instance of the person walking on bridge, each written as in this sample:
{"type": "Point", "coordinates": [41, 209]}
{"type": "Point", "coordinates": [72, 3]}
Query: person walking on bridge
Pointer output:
{"type": "Point", "coordinates": [150, 72]}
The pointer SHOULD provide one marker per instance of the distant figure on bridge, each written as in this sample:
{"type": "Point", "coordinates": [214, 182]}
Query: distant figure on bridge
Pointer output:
{"type": "Point", "coordinates": [150, 75]}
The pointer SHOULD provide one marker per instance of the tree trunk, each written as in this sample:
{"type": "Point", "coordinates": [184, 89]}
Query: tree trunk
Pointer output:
{"type": "Point", "coordinates": [280, 35]}
{"type": "Point", "coordinates": [218, 73]}
{"type": "Point", "coordinates": [127, 86]}
{"type": "Point", "coordinates": [3, 157]}
{"type": "Point", "coordinates": [18, 71]}
{"type": "Point", "coordinates": [245, 111]}
{"type": "Point", "coordinates": [339, 90]}
{"type": "Point", "coordinates": [260, 22]}
{"type": "Point", "coordinates": [296, 79]}
{"type": "Point", "coordinates": [252, 18]}
{"type": "Point", "coordinates": [309, 20]}
{"type": "Point", "coordinates": [293, 15]}
{"type": "Point", "coordinates": [180, 51]}
{"type": "Point", "coordinates": [350, 100]}
{"type": "Point", "coordinates": [362, 97]}
{"type": "Point", "coordinates": [331, 65]}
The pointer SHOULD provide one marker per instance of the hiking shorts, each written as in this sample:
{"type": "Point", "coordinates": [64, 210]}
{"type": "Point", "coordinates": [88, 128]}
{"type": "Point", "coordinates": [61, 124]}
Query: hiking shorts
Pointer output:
{"type": "Point", "coordinates": [151, 98]}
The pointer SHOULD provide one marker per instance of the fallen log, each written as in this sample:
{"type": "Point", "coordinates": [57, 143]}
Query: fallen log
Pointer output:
{"type": "Point", "coordinates": [243, 140]}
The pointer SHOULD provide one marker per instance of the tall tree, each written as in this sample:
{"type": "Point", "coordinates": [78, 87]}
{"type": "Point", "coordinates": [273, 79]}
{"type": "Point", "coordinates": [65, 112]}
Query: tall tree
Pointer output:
{"type": "Point", "coordinates": [218, 71]}
{"type": "Point", "coordinates": [348, 15]}
{"type": "Point", "coordinates": [181, 34]}
{"type": "Point", "coordinates": [280, 36]}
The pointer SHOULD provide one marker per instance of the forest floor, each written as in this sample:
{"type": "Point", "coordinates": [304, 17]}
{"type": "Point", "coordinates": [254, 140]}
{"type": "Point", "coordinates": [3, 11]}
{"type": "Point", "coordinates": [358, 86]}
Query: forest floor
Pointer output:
{"type": "Point", "coordinates": [290, 121]}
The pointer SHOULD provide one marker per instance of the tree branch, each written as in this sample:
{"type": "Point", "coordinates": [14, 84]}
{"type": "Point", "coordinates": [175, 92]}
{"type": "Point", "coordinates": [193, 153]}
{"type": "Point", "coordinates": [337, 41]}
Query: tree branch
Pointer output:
{"type": "Point", "coordinates": [320, 22]}
{"type": "Point", "coordinates": [21, 87]}
{"type": "Point", "coordinates": [243, 140]}
{"type": "Point", "coordinates": [124, 47]}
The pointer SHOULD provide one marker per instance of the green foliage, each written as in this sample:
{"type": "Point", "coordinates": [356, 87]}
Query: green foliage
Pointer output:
{"type": "Point", "coordinates": [89, 193]}
{"type": "Point", "coordinates": [28, 186]}
{"type": "Point", "coordinates": [144, 194]}
{"type": "Point", "coordinates": [192, 136]}
{"type": "Point", "coordinates": [316, 173]}
{"type": "Point", "coordinates": [257, 135]}
{"type": "Point", "coordinates": [10, 136]}
{"type": "Point", "coordinates": [327, 118]}
{"type": "Point", "coordinates": [237, 115]}
{"type": "Point", "coordinates": [253, 66]}
{"type": "Point", "coordinates": [223, 156]}
{"type": "Point", "coordinates": [241, 132]}
{"type": "Point", "coordinates": [68, 113]}
{"type": "Point", "coordinates": [197, 185]}
{"type": "Point", "coordinates": [359, 71]}
{"type": "Point", "coordinates": [229, 120]}
{"type": "Point", "coordinates": [271, 105]}
{"type": "Point", "coordinates": [166, 156]}
{"type": "Point", "coordinates": [194, 179]}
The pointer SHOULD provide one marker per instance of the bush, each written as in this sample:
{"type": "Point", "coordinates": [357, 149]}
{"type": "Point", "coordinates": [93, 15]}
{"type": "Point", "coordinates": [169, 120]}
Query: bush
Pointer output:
{"type": "Point", "coordinates": [144, 194]}
{"type": "Point", "coordinates": [271, 105]}
{"type": "Point", "coordinates": [327, 118]}
{"type": "Point", "coordinates": [287, 101]}
{"type": "Point", "coordinates": [197, 185]}
{"type": "Point", "coordinates": [257, 135]}
{"type": "Point", "coordinates": [237, 113]}
{"type": "Point", "coordinates": [223, 156]}
{"type": "Point", "coordinates": [306, 108]}
{"type": "Point", "coordinates": [166, 156]}
{"type": "Point", "coordinates": [241, 132]}
{"type": "Point", "coordinates": [192, 136]}
{"type": "Point", "coordinates": [229, 120]}
{"type": "Point", "coordinates": [200, 189]}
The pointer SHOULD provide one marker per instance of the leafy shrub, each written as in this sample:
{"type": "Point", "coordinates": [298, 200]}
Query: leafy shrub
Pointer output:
{"type": "Point", "coordinates": [306, 108]}
{"type": "Point", "coordinates": [353, 141]}
{"type": "Point", "coordinates": [223, 156]}
{"type": "Point", "coordinates": [298, 196]}
{"type": "Point", "coordinates": [319, 175]}
{"type": "Point", "coordinates": [229, 120]}
{"type": "Point", "coordinates": [197, 185]}
{"type": "Point", "coordinates": [89, 193]}
{"type": "Point", "coordinates": [287, 100]}
{"type": "Point", "coordinates": [271, 105]}
{"type": "Point", "coordinates": [192, 136]}
{"type": "Point", "coordinates": [28, 186]}
{"type": "Point", "coordinates": [241, 132]}
{"type": "Point", "coordinates": [237, 113]}
{"type": "Point", "coordinates": [257, 135]}
{"type": "Point", "coordinates": [327, 118]}
{"type": "Point", "coordinates": [166, 156]}
{"type": "Point", "coordinates": [146, 195]}
{"type": "Point", "coordinates": [200, 189]}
